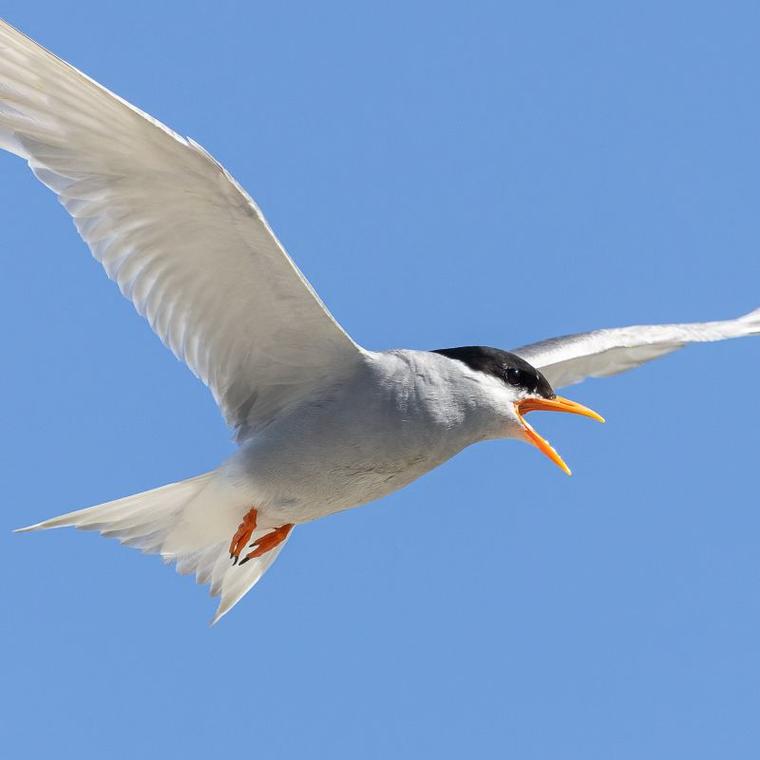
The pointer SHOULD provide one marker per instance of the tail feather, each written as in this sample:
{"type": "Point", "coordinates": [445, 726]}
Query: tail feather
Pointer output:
{"type": "Point", "coordinates": [189, 523]}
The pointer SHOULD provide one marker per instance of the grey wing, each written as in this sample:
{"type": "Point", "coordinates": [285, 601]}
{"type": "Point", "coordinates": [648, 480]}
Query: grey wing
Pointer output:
{"type": "Point", "coordinates": [572, 358]}
{"type": "Point", "coordinates": [176, 232]}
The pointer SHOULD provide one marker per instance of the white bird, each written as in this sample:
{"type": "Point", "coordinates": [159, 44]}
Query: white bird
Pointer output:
{"type": "Point", "coordinates": [322, 424]}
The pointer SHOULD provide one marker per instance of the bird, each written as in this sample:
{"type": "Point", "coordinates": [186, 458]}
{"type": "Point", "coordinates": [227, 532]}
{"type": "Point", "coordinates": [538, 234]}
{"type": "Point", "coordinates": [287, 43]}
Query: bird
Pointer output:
{"type": "Point", "coordinates": [321, 423]}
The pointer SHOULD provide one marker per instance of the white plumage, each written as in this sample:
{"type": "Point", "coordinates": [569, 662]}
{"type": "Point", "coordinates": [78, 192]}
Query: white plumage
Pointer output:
{"type": "Point", "coordinates": [180, 237]}
{"type": "Point", "coordinates": [570, 359]}
{"type": "Point", "coordinates": [323, 424]}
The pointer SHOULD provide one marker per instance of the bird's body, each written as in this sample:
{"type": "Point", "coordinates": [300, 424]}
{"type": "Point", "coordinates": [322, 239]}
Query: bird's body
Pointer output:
{"type": "Point", "coordinates": [322, 424]}
{"type": "Point", "coordinates": [399, 415]}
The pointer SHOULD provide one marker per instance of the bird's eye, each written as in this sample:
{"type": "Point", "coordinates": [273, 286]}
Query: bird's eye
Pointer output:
{"type": "Point", "coordinates": [514, 376]}
{"type": "Point", "coordinates": [521, 378]}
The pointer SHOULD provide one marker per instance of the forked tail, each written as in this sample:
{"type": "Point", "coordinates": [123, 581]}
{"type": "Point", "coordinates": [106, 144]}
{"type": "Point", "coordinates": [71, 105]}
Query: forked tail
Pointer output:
{"type": "Point", "coordinates": [189, 523]}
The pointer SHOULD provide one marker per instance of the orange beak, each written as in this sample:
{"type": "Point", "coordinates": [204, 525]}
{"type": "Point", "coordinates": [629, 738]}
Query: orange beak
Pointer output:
{"type": "Point", "coordinates": [556, 404]}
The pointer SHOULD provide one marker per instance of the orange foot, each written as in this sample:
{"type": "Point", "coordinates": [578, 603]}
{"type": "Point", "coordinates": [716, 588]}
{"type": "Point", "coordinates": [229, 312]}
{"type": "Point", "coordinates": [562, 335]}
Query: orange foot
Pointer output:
{"type": "Point", "coordinates": [268, 542]}
{"type": "Point", "coordinates": [243, 535]}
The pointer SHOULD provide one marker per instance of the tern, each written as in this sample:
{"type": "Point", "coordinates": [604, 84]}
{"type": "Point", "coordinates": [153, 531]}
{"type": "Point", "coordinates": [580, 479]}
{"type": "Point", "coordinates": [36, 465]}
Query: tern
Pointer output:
{"type": "Point", "coordinates": [321, 423]}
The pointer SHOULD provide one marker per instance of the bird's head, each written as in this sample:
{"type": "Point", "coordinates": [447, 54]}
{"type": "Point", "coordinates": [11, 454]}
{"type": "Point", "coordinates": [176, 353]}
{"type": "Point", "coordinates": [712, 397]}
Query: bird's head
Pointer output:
{"type": "Point", "coordinates": [515, 387]}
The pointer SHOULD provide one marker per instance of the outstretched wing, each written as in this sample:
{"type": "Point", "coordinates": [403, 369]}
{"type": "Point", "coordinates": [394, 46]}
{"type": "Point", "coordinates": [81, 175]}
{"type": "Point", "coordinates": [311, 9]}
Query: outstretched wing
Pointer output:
{"type": "Point", "coordinates": [176, 232]}
{"type": "Point", "coordinates": [572, 358]}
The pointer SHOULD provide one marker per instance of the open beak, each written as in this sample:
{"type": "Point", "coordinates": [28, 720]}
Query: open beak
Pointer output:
{"type": "Point", "coordinates": [556, 404]}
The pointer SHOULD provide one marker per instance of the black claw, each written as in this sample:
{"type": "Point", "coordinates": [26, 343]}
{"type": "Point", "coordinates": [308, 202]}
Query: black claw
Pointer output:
{"type": "Point", "coordinates": [244, 561]}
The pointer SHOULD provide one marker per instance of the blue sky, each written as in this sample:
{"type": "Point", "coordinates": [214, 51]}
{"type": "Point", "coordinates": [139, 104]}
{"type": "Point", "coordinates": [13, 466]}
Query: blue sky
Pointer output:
{"type": "Point", "coordinates": [444, 174]}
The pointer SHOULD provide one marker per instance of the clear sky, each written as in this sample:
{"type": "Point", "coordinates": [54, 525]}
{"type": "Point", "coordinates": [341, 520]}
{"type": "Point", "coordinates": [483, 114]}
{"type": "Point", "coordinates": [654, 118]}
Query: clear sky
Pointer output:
{"type": "Point", "coordinates": [445, 174]}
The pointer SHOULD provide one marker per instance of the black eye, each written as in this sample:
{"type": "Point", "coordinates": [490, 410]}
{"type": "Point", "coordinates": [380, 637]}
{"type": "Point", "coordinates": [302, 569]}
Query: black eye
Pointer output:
{"type": "Point", "coordinates": [521, 378]}
{"type": "Point", "coordinates": [514, 376]}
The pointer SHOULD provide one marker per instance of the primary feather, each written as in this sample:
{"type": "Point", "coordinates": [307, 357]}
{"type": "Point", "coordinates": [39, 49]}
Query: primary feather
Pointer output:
{"type": "Point", "coordinates": [176, 232]}
{"type": "Point", "coordinates": [570, 359]}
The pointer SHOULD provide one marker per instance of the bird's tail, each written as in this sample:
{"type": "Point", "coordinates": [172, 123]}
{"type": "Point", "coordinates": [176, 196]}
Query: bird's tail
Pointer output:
{"type": "Point", "coordinates": [189, 523]}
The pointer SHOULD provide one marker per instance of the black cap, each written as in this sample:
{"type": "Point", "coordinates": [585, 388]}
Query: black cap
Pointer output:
{"type": "Point", "coordinates": [508, 367]}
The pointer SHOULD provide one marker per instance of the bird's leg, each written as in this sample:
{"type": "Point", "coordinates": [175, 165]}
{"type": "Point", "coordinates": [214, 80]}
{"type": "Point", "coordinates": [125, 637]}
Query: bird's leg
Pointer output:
{"type": "Point", "coordinates": [242, 535]}
{"type": "Point", "coordinates": [268, 542]}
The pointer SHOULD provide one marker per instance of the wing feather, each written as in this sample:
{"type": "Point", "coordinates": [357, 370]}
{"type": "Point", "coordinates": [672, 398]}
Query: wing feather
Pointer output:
{"type": "Point", "coordinates": [570, 359]}
{"type": "Point", "coordinates": [176, 232]}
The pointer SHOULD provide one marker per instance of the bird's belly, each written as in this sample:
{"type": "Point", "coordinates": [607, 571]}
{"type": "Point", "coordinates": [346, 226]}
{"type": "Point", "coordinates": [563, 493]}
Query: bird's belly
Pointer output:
{"type": "Point", "coordinates": [342, 490]}
{"type": "Point", "coordinates": [316, 473]}
{"type": "Point", "coordinates": [317, 483]}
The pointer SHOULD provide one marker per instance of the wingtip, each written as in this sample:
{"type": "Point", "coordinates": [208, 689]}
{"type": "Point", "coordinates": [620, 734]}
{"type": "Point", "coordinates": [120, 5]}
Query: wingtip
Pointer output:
{"type": "Point", "coordinates": [747, 324]}
{"type": "Point", "coordinates": [752, 317]}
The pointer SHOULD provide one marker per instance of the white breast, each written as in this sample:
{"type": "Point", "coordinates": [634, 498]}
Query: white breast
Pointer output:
{"type": "Point", "coordinates": [399, 416]}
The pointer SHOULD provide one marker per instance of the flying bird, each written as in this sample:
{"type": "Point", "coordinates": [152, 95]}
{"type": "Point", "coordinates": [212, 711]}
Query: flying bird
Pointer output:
{"type": "Point", "coordinates": [321, 423]}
